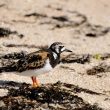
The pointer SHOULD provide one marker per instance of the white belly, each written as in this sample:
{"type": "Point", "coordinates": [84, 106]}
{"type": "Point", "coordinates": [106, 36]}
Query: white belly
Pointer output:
{"type": "Point", "coordinates": [36, 72]}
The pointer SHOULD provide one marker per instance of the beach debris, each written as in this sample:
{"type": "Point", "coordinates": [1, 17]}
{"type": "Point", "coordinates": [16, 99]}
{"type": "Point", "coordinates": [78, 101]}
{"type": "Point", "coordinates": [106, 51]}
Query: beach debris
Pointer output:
{"type": "Point", "coordinates": [75, 58]}
{"type": "Point", "coordinates": [49, 96]}
{"type": "Point", "coordinates": [5, 32]}
{"type": "Point", "coordinates": [103, 67]}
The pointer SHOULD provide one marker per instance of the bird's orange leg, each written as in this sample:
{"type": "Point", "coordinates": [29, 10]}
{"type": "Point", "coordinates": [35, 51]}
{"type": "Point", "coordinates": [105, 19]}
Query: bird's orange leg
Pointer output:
{"type": "Point", "coordinates": [35, 82]}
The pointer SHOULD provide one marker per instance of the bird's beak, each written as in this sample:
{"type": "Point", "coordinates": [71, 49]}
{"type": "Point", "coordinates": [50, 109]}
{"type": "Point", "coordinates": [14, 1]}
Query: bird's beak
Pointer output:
{"type": "Point", "coordinates": [66, 50]}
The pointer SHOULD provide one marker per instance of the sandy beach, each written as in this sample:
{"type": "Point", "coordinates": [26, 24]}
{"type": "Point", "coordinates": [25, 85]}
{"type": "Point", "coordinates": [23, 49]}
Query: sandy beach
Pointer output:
{"type": "Point", "coordinates": [84, 27]}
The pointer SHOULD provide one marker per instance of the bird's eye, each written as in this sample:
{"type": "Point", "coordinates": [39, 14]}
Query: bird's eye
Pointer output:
{"type": "Point", "coordinates": [61, 46]}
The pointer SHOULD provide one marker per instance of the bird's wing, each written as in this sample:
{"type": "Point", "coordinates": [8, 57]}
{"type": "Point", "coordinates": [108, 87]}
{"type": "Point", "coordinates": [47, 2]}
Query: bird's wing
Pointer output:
{"type": "Point", "coordinates": [33, 60]}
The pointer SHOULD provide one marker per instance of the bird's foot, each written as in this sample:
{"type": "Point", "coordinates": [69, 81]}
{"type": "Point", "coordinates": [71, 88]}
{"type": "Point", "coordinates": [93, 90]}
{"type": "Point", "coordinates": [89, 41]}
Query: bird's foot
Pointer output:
{"type": "Point", "coordinates": [35, 85]}
{"type": "Point", "coordinates": [35, 82]}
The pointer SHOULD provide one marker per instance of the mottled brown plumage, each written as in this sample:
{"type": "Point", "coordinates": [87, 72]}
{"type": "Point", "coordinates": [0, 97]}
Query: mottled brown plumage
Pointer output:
{"type": "Point", "coordinates": [33, 60]}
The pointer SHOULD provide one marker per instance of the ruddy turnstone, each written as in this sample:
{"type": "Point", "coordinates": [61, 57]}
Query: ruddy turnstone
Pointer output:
{"type": "Point", "coordinates": [38, 62]}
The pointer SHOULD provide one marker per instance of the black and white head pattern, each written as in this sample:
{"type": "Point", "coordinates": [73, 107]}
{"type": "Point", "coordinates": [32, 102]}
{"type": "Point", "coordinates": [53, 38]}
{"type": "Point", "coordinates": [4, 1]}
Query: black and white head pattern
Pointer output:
{"type": "Point", "coordinates": [57, 47]}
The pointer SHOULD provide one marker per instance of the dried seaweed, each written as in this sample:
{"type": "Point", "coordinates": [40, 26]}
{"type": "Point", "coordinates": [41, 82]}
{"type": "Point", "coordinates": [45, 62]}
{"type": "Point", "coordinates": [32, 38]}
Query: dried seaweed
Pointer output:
{"type": "Point", "coordinates": [98, 69]}
{"type": "Point", "coordinates": [60, 21]}
{"type": "Point", "coordinates": [61, 18]}
{"type": "Point", "coordinates": [2, 5]}
{"type": "Point", "coordinates": [36, 15]}
{"type": "Point", "coordinates": [25, 45]}
{"type": "Point", "coordinates": [100, 56]}
{"type": "Point", "coordinates": [67, 67]}
{"type": "Point", "coordinates": [76, 89]}
{"type": "Point", "coordinates": [104, 56]}
{"type": "Point", "coordinates": [72, 58]}
{"type": "Point", "coordinates": [72, 19]}
{"type": "Point", "coordinates": [68, 21]}
{"type": "Point", "coordinates": [83, 58]}
{"type": "Point", "coordinates": [96, 30]}
{"type": "Point", "coordinates": [5, 32]}
{"type": "Point", "coordinates": [50, 96]}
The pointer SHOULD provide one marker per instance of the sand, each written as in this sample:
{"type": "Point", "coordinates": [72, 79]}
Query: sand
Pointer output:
{"type": "Point", "coordinates": [42, 28]}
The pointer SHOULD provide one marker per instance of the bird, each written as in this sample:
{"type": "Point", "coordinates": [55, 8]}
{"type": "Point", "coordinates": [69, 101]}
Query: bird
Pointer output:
{"type": "Point", "coordinates": [38, 62]}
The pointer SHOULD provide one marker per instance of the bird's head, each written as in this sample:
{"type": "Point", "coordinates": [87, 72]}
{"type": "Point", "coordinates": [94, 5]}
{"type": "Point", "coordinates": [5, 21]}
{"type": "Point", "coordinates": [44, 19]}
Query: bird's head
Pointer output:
{"type": "Point", "coordinates": [58, 48]}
